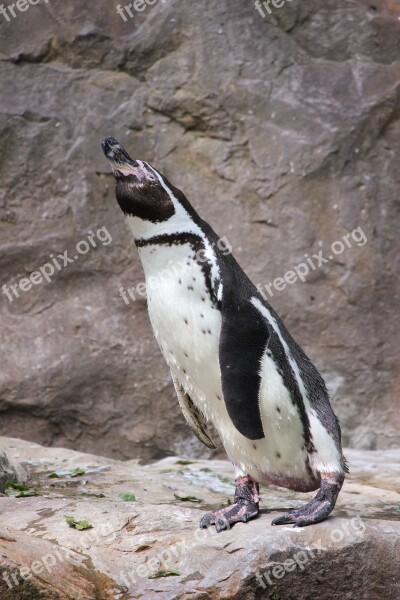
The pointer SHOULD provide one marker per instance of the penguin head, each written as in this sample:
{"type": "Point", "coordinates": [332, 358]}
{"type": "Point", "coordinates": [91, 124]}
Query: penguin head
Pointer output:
{"type": "Point", "coordinates": [138, 186]}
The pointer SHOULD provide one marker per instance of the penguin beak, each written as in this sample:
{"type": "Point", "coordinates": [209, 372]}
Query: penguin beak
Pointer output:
{"type": "Point", "coordinates": [118, 157]}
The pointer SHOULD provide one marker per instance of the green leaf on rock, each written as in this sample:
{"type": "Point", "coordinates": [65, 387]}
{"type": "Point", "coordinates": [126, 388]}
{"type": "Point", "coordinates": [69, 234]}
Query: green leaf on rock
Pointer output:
{"type": "Point", "coordinates": [185, 462]}
{"type": "Point", "coordinates": [18, 490]}
{"type": "Point", "coordinates": [79, 525]}
{"type": "Point", "coordinates": [166, 573]}
{"type": "Point", "coordinates": [78, 472]}
{"type": "Point", "coordinates": [188, 498]}
{"type": "Point", "coordinates": [127, 497]}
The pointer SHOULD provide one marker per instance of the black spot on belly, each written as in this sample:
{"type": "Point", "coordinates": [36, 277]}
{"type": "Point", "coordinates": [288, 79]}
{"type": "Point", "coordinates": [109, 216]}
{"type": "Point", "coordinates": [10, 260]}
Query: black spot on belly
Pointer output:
{"type": "Point", "coordinates": [184, 371]}
{"type": "Point", "coordinates": [186, 354]}
{"type": "Point", "coordinates": [209, 331]}
{"type": "Point", "coordinates": [194, 278]}
{"type": "Point", "coordinates": [278, 409]}
{"type": "Point", "coordinates": [190, 287]}
{"type": "Point", "coordinates": [277, 454]}
{"type": "Point", "coordinates": [202, 316]}
{"type": "Point", "coordinates": [255, 446]}
{"type": "Point", "coordinates": [203, 299]}
{"type": "Point", "coordinates": [218, 397]}
{"type": "Point", "coordinates": [203, 331]}
{"type": "Point", "coordinates": [180, 281]}
{"type": "Point", "coordinates": [186, 321]}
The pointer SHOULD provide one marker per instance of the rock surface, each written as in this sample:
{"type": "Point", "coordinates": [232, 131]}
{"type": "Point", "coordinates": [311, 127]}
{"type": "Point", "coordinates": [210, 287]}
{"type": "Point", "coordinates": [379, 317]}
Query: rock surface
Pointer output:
{"type": "Point", "coordinates": [354, 555]}
{"type": "Point", "coordinates": [10, 472]}
{"type": "Point", "coordinates": [285, 134]}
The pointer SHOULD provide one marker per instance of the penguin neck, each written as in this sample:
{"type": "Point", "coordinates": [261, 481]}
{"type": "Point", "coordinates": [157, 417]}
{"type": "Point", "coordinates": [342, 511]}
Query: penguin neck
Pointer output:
{"type": "Point", "coordinates": [184, 220]}
{"type": "Point", "coordinates": [181, 237]}
{"type": "Point", "coordinates": [145, 230]}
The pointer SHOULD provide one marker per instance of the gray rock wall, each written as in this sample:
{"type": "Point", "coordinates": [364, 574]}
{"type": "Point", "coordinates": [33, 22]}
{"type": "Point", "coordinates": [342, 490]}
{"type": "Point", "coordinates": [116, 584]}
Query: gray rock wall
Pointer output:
{"type": "Point", "coordinates": [284, 133]}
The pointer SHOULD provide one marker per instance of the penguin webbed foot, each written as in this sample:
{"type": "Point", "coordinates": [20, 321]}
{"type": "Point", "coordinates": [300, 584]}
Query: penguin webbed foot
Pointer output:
{"type": "Point", "coordinates": [245, 507]}
{"type": "Point", "coordinates": [223, 518]}
{"type": "Point", "coordinates": [319, 508]}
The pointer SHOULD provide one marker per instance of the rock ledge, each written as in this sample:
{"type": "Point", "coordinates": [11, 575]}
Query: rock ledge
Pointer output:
{"type": "Point", "coordinates": [354, 554]}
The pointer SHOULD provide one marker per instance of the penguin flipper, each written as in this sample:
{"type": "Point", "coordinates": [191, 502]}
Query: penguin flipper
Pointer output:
{"type": "Point", "coordinates": [243, 340]}
{"type": "Point", "coordinates": [193, 416]}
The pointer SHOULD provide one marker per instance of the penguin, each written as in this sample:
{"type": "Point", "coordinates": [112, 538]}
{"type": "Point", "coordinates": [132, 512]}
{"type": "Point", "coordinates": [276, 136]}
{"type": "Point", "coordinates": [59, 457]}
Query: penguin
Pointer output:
{"type": "Point", "coordinates": [233, 363]}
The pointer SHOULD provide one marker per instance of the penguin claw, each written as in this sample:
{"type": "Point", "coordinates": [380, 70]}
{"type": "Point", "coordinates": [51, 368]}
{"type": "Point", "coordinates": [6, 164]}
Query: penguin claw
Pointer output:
{"type": "Point", "coordinates": [313, 512]}
{"type": "Point", "coordinates": [301, 519]}
{"type": "Point", "coordinates": [244, 508]}
{"type": "Point", "coordinates": [319, 508]}
{"type": "Point", "coordinates": [224, 518]}
{"type": "Point", "coordinates": [283, 520]}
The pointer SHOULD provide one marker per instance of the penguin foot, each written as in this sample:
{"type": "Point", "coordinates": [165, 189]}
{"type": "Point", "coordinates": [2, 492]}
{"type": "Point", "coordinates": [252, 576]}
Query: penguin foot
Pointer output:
{"type": "Point", "coordinates": [245, 506]}
{"type": "Point", "coordinates": [223, 518]}
{"type": "Point", "coordinates": [319, 508]}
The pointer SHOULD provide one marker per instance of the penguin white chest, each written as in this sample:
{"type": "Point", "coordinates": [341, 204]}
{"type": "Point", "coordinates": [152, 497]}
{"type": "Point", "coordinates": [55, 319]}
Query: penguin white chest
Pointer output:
{"type": "Point", "coordinates": [185, 322]}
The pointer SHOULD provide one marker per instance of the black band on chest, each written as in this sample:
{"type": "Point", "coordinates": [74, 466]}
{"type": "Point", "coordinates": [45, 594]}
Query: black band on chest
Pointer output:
{"type": "Point", "coordinates": [198, 246]}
